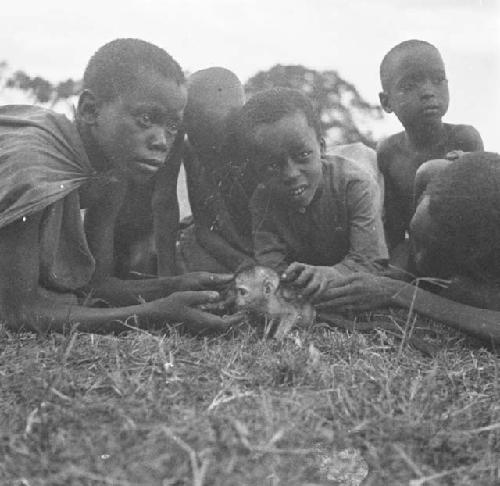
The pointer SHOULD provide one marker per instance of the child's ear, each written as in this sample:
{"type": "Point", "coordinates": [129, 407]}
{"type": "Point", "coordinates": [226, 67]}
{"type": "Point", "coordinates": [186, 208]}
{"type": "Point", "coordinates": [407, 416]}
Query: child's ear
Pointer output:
{"type": "Point", "coordinates": [384, 101]}
{"type": "Point", "coordinates": [87, 109]}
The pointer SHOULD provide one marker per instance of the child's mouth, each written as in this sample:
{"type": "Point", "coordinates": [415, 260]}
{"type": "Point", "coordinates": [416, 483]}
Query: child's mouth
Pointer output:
{"type": "Point", "coordinates": [431, 110]}
{"type": "Point", "coordinates": [297, 192]}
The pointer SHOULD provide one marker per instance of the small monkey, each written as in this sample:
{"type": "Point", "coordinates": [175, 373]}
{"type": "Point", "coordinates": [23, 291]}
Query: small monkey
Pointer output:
{"type": "Point", "coordinates": [259, 292]}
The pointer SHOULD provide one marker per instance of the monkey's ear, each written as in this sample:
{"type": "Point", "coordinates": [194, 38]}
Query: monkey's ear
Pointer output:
{"type": "Point", "coordinates": [267, 287]}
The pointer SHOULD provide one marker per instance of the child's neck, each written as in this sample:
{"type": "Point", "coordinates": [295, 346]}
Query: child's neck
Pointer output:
{"type": "Point", "coordinates": [425, 136]}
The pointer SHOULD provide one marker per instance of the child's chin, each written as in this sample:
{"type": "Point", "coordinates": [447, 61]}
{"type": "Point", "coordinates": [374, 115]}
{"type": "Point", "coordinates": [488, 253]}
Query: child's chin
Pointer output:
{"type": "Point", "coordinates": [299, 202]}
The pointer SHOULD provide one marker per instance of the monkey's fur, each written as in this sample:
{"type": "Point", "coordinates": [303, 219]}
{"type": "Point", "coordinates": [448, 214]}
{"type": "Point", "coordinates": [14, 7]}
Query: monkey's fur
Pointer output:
{"type": "Point", "coordinates": [259, 291]}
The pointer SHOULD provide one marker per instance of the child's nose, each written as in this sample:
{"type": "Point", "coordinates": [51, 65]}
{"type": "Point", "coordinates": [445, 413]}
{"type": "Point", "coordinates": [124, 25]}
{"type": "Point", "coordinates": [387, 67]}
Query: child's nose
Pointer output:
{"type": "Point", "coordinates": [159, 139]}
{"type": "Point", "coordinates": [427, 89]}
{"type": "Point", "coordinates": [290, 169]}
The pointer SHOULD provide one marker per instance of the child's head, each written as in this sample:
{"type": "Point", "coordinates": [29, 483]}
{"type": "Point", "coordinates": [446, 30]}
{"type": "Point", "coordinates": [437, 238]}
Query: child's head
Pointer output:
{"type": "Point", "coordinates": [131, 107]}
{"type": "Point", "coordinates": [456, 227]}
{"type": "Point", "coordinates": [414, 84]}
{"type": "Point", "coordinates": [213, 94]}
{"type": "Point", "coordinates": [280, 134]}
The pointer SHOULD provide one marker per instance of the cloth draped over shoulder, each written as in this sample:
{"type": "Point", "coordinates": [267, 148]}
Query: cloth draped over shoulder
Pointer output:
{"type": "Point", "coordinates": [42, 164]}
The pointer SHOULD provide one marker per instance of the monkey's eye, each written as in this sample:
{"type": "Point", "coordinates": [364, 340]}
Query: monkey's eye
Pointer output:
{"type": "Point", "coordinates": [241, 291]}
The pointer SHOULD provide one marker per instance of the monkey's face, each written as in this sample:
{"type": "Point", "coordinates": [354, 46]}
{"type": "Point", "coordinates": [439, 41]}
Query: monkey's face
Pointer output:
{"type": "Point", "coordinates": [255, 288]}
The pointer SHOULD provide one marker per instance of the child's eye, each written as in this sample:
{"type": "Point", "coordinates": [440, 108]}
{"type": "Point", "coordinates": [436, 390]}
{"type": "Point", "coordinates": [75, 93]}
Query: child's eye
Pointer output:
{"type": "Point", "coordinates": [172, 127]}
{"type": "Point", "coordinates": [304, 154]}
{"type": "Point", "coordinates": [145, 120]}
{"type": "Point", "coordinates": [408, 85]}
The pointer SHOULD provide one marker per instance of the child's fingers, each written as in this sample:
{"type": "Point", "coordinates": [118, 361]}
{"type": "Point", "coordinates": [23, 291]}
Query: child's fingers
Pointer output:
{"type": "Point", "coordinates": [305, 277]}
{"type": "Point", "coordinates": [293, 270]}
{"type": "Point", "coordinates": [312, 287]}
{"type": "Point", "coordinates": [319, 292]}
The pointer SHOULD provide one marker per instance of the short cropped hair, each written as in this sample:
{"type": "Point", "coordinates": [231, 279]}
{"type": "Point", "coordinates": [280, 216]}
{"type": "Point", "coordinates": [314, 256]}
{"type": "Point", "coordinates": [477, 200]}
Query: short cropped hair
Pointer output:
{"type": "Point", "coordinates": [213, 95]}
{"type": "Point", "coordinates": [272, 105]}
{"type": "Point", "coordinates": [213, 88]}
{"type": "Point", "coordinates": [116, 67]}
{"type": "Point", "coordinates": [464, 202]}
{"type": "Point", "coordinates": [402, 46]}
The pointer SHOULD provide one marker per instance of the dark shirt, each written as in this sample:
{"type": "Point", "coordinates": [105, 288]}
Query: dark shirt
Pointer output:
{"type": "Point", "coordinates": [342, 226]}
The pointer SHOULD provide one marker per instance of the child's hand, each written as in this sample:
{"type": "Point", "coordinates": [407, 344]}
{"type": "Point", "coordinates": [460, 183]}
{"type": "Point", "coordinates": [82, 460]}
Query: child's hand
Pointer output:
{"type": "Point", "coordinates": [202, 281]}
{"type": "Point", "coordinates": [190, 308]}
{"type": "Point", "coordinates": [454, 154]}
{"type": "Point", "coordinates": [311, 279]}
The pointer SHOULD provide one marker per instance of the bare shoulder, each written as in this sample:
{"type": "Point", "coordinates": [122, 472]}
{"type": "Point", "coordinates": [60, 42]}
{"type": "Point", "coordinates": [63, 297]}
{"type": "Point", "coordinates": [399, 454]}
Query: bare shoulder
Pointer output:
{"type": "Point", "coordinates": [464, 137]}
{"type": "Point", "coordinates": [387, 149]}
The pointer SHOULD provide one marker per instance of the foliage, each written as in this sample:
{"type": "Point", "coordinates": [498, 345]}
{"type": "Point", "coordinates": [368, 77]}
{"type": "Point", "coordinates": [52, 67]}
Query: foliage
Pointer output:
{"type": "Point", "coordinates": [152, 409]}
{"type": "Point", "coordinates": [40, 89]}
{"type": "Point", "coordinates": [345, 115]}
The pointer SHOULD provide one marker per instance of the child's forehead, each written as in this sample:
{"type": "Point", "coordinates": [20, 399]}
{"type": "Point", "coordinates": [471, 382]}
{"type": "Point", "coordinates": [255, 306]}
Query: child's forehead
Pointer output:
{"type": "Point", "coordinates": [151, 88]}
{"type": "Point", "coordinates": [415, 59]}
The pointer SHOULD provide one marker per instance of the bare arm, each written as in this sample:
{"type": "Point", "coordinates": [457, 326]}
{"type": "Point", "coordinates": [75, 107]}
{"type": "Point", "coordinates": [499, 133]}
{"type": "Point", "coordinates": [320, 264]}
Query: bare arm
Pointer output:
{"type": "Point", "coordinates": [24, 304]}
{"type": "Point", "coordinates": [214, 229]}
{"type": "Point", "coordinates": [364, 291]}
{"type": "Point", "coordinates": [481, 323]}
{"type": "Point", "coordinates": [99, 229]}
{"type": "Point", "coordinates": [468, 139]}
{"type": "Point", "coordinates": [166, 211]}
{"type": "Point", "coordinates": [393, 212]}
{"type": "Point", "coordinates": [229, 256]}
{"type": "Point", "coordinates": [425, 173]}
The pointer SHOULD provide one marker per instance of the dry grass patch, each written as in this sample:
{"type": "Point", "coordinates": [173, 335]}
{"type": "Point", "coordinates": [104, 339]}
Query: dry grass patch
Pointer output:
{"type": "Point", "coordinates": [150, 409]}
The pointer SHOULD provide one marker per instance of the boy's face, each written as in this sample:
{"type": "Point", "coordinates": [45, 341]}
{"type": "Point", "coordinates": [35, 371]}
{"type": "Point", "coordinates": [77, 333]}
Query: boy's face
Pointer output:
{"type": "Point", "coordinates": [288, 156]}
{"type": "Point", "coordinates": [416, 87]}
{"type": "Point", "coordinates": [136, 131]}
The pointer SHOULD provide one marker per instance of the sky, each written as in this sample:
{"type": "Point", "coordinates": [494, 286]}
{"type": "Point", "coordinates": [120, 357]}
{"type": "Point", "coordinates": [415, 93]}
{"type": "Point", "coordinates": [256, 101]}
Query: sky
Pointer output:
{"type": "Point", "coordinates": [55, 38]}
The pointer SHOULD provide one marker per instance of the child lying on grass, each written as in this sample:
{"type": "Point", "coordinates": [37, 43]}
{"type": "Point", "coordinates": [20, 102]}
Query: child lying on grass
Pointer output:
{"type": "Point", "coordinates": [454, 235]}
{"type": "Point", "coordinates": [315, 217]}
{"type": "Point", "coordinates": [126, 122]}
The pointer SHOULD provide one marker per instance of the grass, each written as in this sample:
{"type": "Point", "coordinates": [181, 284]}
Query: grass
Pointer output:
{"type": "Point", "coordinates": [151, 409]}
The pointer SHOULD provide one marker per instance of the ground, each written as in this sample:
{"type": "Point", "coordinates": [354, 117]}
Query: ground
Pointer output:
{"type": "Point", "coordinates": [170, 409]}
